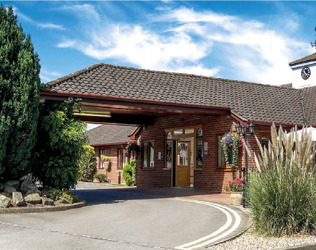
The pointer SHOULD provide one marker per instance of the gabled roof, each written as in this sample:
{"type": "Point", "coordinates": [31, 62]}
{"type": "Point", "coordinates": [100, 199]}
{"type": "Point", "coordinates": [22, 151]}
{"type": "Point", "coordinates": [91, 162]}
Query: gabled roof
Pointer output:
{"type": "Point", "coordinates": [252, 101]}
{"type": "Point", "coordinates": [308, 58]}
{"type": "Point", "coordinates": [309, 98]}
{"type": "Point", "coordinates": [110, 134]}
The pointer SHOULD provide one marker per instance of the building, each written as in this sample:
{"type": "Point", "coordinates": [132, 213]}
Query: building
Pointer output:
{"type": "Point", "coordinates": [111, 141]}
{"type": "Point", "coordinates": [181, 118]}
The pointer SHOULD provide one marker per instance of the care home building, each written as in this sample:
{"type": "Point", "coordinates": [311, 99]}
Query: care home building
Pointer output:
{"type": "Point", "coordinates": [181, 118]}
{"type": "Point", "coordinates": [111, 141]}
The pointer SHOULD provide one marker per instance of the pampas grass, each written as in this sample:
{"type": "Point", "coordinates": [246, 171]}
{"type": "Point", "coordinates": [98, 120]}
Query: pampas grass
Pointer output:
{"type": "Point", "coordinates": [282, 193]}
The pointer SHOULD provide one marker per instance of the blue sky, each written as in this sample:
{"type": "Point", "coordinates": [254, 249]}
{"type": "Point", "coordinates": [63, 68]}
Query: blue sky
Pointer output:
{"type": "Point", "coordinates": [252, 41]}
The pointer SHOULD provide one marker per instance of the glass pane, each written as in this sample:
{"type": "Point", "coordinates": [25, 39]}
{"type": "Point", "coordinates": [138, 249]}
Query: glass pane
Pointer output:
{"type": "Point", "coordinates": [124, 158]}
{"type": "Point", "coordinates": [221, 156]}
{"type": "Point", "coordinates": [145, 155]}
{"type": "Point", "coordinates": [183, 153]}
{"type": "Point", "coordinates": [265, 141]}
{"type": "Point", "coordinates": [199, 151]}
{"type": "Point", "coordinates": [178, 132]}
{"type": "Point", "coordinates": [152, 155]}
{"type": "Point", "coordinates": [102, 162]}
{"type": "Point", "coordinates": [169, 136]}
{"type": "Point", "coordinates": [199, 133]}
{"type": "Point", "coordinates": [169, 154]}
{"type": "Point", "coordinates": [189, 131]}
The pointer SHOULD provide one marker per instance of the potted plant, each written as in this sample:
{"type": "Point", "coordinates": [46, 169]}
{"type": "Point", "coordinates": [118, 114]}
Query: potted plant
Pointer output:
{"type": "Point", "coordinates": [235, 187]}
{"type": "Point", "coordinates": [106, 161]}
{"type": "Point", "coordinates": [231, 143]}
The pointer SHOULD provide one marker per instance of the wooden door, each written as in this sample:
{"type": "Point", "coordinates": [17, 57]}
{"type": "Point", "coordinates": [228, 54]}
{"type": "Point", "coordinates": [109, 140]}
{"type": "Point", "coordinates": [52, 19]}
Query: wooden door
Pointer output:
{"type": "Point", "coordinates": [183, 163]}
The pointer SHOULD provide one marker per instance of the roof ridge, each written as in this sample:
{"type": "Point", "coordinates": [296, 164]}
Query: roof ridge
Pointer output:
{"type": "Point", "coordinates": [79, 72]}
{"type": "Point", "coordinates": [297, 61]}
{"type": "Point", "coordinates": [74, 74]}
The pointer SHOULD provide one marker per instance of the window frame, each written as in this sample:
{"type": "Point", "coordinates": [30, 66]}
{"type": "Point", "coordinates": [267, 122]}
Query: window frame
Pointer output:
{"type": "Point", "coordinates": [265, 134]}
{"type": "Point", "coordinates": [101, 164]}
{"type": "Point", "coordinates": [119, 156]}
{"type": "Point", "coordinates": [219, 147]}
{"type": "Point", "coordinates": [149, 143]}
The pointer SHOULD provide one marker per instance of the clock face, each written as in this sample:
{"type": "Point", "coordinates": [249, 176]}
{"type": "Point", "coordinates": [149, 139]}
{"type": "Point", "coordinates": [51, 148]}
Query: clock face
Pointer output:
{"type": "Point", "coordinates": [306, 72]}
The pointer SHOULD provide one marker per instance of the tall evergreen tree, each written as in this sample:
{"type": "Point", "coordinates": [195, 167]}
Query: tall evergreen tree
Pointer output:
{"type": "Point", "coordinates": [19, 97]}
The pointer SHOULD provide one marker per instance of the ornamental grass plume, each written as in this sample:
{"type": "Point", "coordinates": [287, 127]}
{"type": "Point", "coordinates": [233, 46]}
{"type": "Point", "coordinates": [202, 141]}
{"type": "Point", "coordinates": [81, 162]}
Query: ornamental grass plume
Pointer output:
{"type": "Point", "coordinates": [282, 193]}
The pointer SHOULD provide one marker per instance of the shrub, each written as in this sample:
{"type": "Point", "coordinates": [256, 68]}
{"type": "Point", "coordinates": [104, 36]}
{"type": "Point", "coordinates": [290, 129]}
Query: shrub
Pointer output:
{"type": "Point", "coordinates": [100, 177]}
{"type": "Point", "coordinates": [19, 97]}
{"type": "Point", "coordinates": [67, 195]}
{"type": "Point", "coordinates": [55, 194]}
{"type": "Point", "coordinates": [282, 194]}
{"type": "Point", "coordinates": [87, 163]}
{"type": "Point", "coordinates": [129, 173]}
{"type": "Point", "coordinates": [59, 146]}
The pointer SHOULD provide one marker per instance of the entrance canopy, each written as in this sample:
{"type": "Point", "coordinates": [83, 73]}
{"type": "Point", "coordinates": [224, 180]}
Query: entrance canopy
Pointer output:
{"type": "Point", "coordinates": [116, 110]}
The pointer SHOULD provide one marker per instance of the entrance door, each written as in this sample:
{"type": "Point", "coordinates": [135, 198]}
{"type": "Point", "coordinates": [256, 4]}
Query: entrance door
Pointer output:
{"type": "Point", "coordinates": [183, 164]}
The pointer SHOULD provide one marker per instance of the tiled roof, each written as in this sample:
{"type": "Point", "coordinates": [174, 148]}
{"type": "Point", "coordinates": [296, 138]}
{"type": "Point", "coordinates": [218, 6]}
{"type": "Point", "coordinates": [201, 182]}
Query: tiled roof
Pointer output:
{"type": "Point", "coordinates": [308, 58]}
{"type": "Point", "coordinates": [309, 97]}
{"type": "Point", "coordinates": [257, 102]}
{"type": "Point", "coordinates": [109, 134]}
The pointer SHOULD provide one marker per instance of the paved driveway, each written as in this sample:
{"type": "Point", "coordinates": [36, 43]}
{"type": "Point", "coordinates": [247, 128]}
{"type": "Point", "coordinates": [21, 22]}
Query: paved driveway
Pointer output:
{"type": "Point", "coordinates": [119, 218]}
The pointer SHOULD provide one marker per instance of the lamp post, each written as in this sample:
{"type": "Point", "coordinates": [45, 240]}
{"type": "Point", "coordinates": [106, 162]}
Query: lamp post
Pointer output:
{"type": "Point", "coordinates": [242, 129]}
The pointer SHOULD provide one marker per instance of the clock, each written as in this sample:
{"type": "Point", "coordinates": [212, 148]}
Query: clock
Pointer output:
{"type": "Point", "coordinates": [306, 72]}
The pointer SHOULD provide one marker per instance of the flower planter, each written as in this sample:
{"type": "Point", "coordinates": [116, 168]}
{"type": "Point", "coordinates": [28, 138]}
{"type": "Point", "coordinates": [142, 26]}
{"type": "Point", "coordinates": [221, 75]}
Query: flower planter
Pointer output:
{"type": "Point", "coordinates": [236, 198]}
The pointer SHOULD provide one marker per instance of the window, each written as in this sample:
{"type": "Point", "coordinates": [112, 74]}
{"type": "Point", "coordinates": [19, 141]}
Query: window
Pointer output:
{"type": "Point", "coordinates": [199, 147]}
{"type": "Point", "coordinates": [178, 132]}
{"type": "Point", "coordinates": [148, 154]}
{"type": "Point", "coordinates": [169, 150]}
{"type": "Point", "coordinates": [221, 157]}
{"type": "Point", "coordinates": [265, 138]}
{"type": "Point", "coordinates": [101, 165]}
{"type": "Point", "coordinates": [121, 158]}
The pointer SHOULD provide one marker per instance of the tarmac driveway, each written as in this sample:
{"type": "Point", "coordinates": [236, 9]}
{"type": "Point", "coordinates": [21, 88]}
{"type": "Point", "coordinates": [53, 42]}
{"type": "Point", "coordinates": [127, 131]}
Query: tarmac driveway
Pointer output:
{"type": "Point", "coordinates": [119, 218]}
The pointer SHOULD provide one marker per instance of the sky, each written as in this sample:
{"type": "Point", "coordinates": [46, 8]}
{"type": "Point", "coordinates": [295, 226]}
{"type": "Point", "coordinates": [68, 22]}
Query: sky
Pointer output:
{"type": "Point", "coordinates": [249, 41]}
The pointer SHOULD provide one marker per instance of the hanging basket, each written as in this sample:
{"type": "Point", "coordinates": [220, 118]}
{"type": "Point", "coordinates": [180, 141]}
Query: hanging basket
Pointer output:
{"type": "Point", "coordinates": [231, 142]}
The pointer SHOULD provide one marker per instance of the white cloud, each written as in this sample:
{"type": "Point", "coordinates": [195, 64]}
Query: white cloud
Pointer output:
{"type": "Point", "coordinates": [248, 48]}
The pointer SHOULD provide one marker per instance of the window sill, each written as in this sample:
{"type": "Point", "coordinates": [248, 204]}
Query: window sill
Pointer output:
{"type": "Point", "coordinates": [148, 169]}
{"type": "Point", "coordinates": [166, 169]}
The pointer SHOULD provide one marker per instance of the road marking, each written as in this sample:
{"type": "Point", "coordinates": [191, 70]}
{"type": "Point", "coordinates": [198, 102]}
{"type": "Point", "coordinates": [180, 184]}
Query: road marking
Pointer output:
{"type": "Point", "coordinates": [207, 240]}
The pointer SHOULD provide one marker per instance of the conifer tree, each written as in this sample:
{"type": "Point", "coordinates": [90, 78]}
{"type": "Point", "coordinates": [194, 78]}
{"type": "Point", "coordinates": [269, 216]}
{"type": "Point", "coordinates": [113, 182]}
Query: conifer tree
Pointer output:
{"type": "Point", "coordinates": [19, 97]}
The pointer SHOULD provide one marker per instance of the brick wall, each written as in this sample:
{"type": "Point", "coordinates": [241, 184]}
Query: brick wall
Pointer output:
{"type": "Point", "coordinates": [210, 177]}
{"type": "Point", "coordinates": [112, 171]}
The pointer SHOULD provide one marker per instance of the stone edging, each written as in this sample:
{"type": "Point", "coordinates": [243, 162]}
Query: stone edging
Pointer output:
{"type": "Point", "coordinates": [16, 210]}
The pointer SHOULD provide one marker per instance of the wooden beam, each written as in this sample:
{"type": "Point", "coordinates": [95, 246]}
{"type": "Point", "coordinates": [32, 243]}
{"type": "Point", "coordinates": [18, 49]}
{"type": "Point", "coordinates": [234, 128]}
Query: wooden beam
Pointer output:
{"type": "Point", "coordinates": [146, 107]}
{"type": "Point", "coordinates": [120, 119]}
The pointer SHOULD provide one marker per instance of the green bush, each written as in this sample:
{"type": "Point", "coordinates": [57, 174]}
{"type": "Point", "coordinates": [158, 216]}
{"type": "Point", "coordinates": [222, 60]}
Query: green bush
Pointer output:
{"type": "Point", "coordinates": [55, 194]}
{"type": "Point", "coordinates": [87, 163]}
{"type": "Point", "coordinates": [282, 193]}
{"type": "Point", "coordinates": [100, 177]}
{"type": "Point", "coordinates": [55, 159]}
{"type": "Point", "coordinates": [67, 195]}
{"type": "Point", "coordinates": [19, 97]}
{"type": "Point", "coordinates": [129, 173]}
